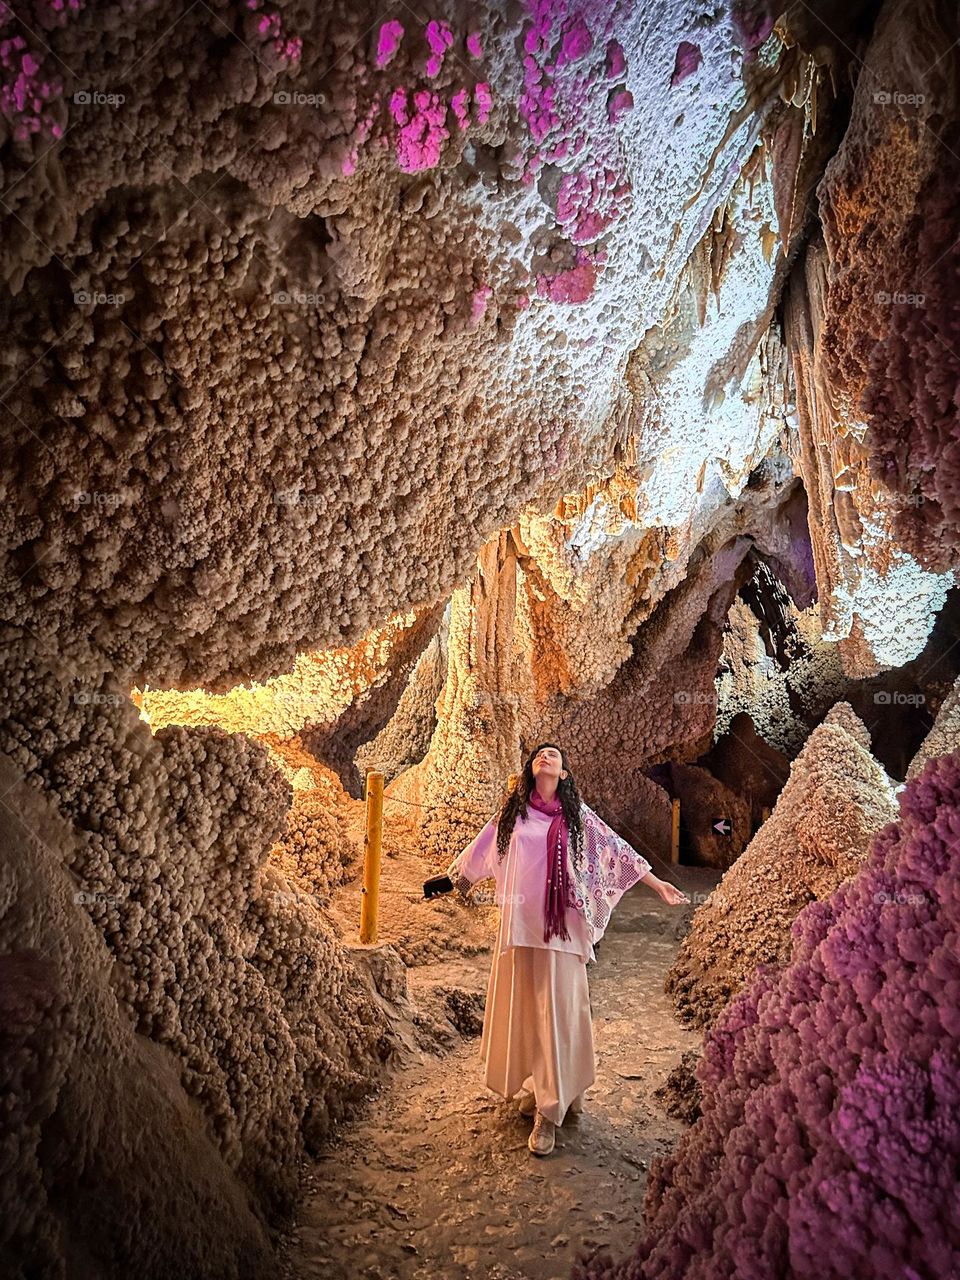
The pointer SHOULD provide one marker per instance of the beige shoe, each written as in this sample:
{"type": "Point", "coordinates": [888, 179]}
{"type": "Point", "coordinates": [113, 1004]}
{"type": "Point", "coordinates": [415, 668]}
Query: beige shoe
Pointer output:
{"type": "Point", "coordinates": [543, 1136]}
{"type": "Point", "coordinates": [528, 1104]}
{"type": "Point", "coordinates": [576, 1106]}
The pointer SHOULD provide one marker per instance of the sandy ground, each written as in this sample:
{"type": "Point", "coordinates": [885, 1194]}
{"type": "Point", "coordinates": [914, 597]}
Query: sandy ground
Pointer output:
{"type": "Point", "coordinates": [434, 1178]}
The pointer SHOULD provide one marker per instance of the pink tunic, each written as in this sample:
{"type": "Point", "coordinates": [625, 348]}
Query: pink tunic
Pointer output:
{"type": "Point", "coordinates": [521, 884]}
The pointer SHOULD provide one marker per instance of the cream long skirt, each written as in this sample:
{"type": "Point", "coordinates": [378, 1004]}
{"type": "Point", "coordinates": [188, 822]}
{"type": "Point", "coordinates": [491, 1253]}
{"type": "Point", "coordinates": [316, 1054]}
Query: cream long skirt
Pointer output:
{"type": "Point", "coordinates": [537, 1029]}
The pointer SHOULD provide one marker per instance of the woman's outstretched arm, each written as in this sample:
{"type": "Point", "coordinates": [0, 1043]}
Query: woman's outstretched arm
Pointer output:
{"type": "Point", "coordinates": [614, 865]}
{"type": "Point", "coordinates": [477, 860]}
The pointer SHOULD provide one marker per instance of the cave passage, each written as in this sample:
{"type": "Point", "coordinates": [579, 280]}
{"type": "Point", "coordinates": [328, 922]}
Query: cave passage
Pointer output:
{"type": "Point", "coordinates": [549, 410]}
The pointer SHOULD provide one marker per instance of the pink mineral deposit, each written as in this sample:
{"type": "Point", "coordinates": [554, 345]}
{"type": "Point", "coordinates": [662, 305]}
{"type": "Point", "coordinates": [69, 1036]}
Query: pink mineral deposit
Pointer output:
{"type": "Point", "coordinates": [577, 41]}
{"type": "Point", "coordinates": [478, 306]}
{"type": "Point", "coordinates": [619, 104]}
{"type": "Point", "coordinates": [688, 59]}
{"type": "Point", "coordinates": [589, 201]}
{"type": "Point", "coordinates": [439, 38]}
{"type": "Point", "coordinates": [24, 93]}
{"type": "Point", "coordinates": [573, 285]}
{"type": "Point", "coordinates": [422, 130]}
{"type": "Point", "coordinates": [753, 24]}
{"type": "Point", "coordinates": [268, 29]}
{"type": "Point", "coordinates": [474, 46]}
{"type": "Point", "coordinates": [616, 62]}
{"type": "Point", "coordinates": [388, 41]}
{"type": "Point", "coordinates": [484, 101]}
{"type": "Point", "coordinates": [460, 105]}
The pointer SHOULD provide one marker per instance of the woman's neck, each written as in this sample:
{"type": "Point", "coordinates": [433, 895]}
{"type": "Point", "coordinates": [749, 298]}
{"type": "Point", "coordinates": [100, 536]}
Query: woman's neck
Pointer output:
{"type": "Point", "coordinates": [546, 789]}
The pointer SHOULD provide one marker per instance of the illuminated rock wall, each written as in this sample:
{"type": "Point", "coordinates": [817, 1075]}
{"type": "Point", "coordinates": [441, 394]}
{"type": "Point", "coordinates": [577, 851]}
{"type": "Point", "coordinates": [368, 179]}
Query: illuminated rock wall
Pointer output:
{"type": "Point", "coordinates": [875, 599]}
{"type": "Point", "coordinates": [327, 309]}
{"type": "Point", "coordinates": [216, 949]}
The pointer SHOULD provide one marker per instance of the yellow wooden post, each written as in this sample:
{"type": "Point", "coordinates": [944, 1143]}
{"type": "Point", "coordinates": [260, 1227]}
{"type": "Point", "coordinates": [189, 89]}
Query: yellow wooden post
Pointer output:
{"type": "Point", "coordinates": [675, 833]}
{"type": "Point", "coordinates": [372, 847]}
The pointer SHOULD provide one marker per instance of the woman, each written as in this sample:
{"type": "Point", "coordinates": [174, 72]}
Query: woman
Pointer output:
{"type": "Point", "coordinates": [560, 871]}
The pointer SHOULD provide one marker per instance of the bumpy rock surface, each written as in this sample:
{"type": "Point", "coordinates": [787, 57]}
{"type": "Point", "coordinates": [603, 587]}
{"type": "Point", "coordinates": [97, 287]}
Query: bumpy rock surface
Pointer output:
{"type": "Point", "coordinates": [944, 737]}
{"type": "Point", "coordinates": [220, 952]}
{"type": "Point", "coordinates": [396, 391]}
{"type": "Point", "coordinates": [370, 288]}
{"type": "Point", "coordinates": [829, 1140]}
{"type": "Point", "coordinates": [72, 1064]}
{"type": "Point", "coordinates": [836, 798]}
{"type": "Point", "coordinates": [892, 333]}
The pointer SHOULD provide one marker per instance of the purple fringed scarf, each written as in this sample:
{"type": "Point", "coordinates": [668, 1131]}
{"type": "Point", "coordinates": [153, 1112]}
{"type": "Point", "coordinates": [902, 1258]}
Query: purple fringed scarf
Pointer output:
{"type": "Point", "coordinates": [557, 892]}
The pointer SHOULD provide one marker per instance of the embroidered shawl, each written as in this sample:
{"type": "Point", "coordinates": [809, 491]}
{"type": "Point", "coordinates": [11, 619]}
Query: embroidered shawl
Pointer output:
{"type": "Point", "coordinates": [604, 868]}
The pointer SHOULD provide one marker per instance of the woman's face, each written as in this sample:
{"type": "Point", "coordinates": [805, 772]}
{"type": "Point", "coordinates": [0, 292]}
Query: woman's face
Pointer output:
{"type": "Point", "coordinates": [548, 763]}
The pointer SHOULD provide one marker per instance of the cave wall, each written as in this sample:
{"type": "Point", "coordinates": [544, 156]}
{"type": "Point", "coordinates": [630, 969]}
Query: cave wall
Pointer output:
{"type": "Point", "coordinates": [399, 393]}
{"type": "Point", "coordinates": [77, 1068]}
{"type": "Point", "coordinates": [890, 326]}
{"type": "Point", "coordinates": [278, 317]}
{"type": "Point", "coordinates": [835, 799]}
{"type": "Point", "coordinates": [828, 1140]}
{"type": "Point", "coordinates": [213, 953]}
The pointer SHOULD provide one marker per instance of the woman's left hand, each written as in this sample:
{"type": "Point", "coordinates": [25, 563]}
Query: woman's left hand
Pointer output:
{"type": "Point", "coordinates": [671, 895]}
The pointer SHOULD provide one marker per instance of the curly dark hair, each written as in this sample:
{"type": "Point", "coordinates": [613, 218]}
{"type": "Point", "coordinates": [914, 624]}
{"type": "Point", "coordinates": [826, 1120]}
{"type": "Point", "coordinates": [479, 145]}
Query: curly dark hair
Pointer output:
{"type": "Point", "coordinates": [516, 803]}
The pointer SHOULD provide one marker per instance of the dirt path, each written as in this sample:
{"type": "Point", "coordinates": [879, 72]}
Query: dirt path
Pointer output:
{"type": "Point", "coordinates": [436, 1179]}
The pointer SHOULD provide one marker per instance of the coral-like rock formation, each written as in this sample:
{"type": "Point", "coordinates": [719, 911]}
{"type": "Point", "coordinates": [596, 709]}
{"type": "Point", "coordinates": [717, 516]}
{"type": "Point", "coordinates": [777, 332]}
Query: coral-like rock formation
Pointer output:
{"type": "Point", "coordinates": [835, 800]}
{"type": "Point", "coordinates": [944, 736]}
{"type": "Point", "coordinates": [73, 1067]}
{"type": "Point", "coordinates": [829, 1140]}
{"type": "Point", "coordinates": [892, 334]}
{"type": "Point", "coordinates": [363, 266]}
{"type": "Point", "coordinates": [217, 954]}
{"type": "Point", "coordinates": [395, 391]}
{"type": "Point", "coordinates": [860, 567]}
{"type": "Point", "coordinates": [783, 702]}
